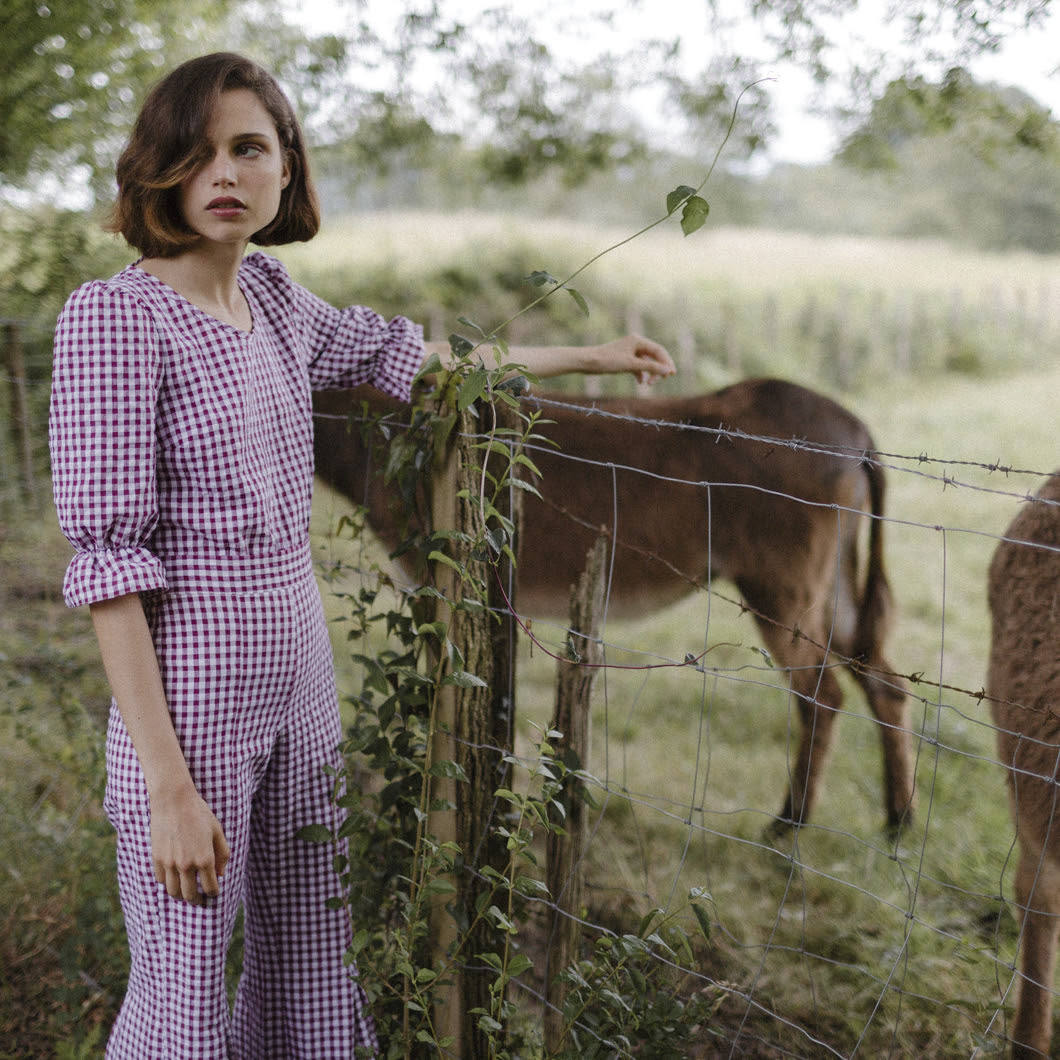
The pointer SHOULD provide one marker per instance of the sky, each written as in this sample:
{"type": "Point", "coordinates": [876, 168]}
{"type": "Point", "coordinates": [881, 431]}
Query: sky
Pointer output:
{"type": "Point", "coordinates": [1027, 60]}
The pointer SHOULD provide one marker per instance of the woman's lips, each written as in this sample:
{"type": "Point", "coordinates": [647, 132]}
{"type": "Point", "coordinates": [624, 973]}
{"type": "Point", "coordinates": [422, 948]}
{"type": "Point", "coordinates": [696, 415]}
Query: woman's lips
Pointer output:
{"type": "Point", "coordinates": [225, 207]}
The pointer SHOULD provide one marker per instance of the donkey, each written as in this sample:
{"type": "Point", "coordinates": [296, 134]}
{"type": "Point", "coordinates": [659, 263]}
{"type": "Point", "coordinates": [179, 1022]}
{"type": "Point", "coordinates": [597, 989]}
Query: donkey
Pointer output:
{"type": "Point", "coordinates": [1023, 683]}
{"type": "Point", "coordinates": [712, 488]}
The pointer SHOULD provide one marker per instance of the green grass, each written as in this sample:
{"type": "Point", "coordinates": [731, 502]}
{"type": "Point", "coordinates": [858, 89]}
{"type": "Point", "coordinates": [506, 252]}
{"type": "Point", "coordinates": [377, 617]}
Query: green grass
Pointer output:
{"type": "Point", "coordinates": [853, 942]}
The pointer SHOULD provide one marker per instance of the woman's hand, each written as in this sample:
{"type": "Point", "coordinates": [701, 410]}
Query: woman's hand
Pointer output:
{"type": "Point", "coordinates": [189, 851]}
{"type": "Point", "coordinates": [644, 358]}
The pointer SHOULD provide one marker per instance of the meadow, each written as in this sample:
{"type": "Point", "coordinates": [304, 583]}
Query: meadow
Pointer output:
{"type": "Point", "coordinates": [842, 943]}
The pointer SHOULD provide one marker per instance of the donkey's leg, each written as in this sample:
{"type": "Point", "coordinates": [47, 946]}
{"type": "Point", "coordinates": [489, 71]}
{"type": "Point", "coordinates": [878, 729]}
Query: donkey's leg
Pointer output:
{"type": "Point", "coordinates": [820, 700]}
{"type": "Point", "coordinates": [1037, 887]}
{"type": "Point", "coordinates": [888, 701]}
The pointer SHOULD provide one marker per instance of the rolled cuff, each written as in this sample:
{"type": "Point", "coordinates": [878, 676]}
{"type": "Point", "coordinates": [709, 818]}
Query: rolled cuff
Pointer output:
{"type": "Point", "coordinates": [103, 574]}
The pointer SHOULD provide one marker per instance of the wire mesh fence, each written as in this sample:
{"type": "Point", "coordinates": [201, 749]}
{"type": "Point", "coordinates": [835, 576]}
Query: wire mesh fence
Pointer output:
{"type": "Point", "coordinates": [846, 935]}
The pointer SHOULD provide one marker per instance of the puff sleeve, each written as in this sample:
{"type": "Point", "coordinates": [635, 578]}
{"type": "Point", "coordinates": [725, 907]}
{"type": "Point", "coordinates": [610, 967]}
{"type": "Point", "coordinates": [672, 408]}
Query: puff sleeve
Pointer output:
{"type": "Point", "coordinates": [106, 377]}
{"type": "Point", "coordinates": [347, 347]}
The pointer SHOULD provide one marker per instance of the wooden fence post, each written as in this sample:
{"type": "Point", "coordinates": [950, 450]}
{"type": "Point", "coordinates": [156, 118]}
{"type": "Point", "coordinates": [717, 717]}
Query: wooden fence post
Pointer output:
{"type": "Point", "coordinates": [565, 853]}
{"type": "Point", "coordinates": [21, 433]}
{"type": "Point", "coordinates": [635, 326]}
{"type": "Point", "coordinates": [474, 730]}
{"type": "Point", "coordinates": [441, 824]}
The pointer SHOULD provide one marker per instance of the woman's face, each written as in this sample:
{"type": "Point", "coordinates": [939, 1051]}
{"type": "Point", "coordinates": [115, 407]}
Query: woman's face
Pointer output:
{"type": "Point", "coordinates": [237, 192]}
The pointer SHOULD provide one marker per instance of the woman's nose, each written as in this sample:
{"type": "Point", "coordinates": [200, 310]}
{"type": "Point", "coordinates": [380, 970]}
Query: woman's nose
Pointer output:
{"type": "Point", "coordinates": [222, 170]}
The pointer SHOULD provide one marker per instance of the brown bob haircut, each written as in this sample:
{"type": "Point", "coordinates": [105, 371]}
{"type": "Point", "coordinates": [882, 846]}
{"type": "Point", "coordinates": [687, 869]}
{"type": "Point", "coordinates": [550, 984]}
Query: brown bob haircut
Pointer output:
{"type": "Point", "coordinates": [168, 145]}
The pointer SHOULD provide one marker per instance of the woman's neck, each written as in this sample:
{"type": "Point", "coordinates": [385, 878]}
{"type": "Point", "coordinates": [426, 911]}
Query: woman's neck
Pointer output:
{"type": "Point", "coordinates": [207, 280]}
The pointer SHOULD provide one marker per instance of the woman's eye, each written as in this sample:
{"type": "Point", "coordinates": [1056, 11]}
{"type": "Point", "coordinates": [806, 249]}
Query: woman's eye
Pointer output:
{"type": "Point", "coordinates": [248, 150]}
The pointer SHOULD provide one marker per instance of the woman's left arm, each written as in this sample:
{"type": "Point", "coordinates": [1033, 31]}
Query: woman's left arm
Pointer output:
{"type": "Point", "coordinates": [642, 357]}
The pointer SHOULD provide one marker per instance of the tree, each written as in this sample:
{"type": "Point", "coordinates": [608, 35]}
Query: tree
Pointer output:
{"type": "Point", "coordinates": [990, 120]}
{"type": "Point", "coordinates": [72, 72]}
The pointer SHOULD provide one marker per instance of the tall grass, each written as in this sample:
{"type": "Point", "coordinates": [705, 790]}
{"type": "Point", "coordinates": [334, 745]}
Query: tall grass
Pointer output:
{"type": "Point", "coordinates": [846, 312]}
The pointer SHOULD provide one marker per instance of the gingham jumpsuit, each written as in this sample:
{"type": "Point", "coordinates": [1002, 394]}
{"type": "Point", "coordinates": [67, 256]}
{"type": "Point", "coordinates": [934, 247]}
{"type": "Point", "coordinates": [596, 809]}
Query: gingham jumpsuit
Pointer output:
{"type": "Point", "coordinates": [182, 466]}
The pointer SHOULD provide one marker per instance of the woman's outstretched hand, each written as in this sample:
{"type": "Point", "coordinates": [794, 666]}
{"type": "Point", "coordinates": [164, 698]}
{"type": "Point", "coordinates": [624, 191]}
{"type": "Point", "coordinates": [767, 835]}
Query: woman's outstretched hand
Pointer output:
{"type": "Point", "coordinates": [644, 358]}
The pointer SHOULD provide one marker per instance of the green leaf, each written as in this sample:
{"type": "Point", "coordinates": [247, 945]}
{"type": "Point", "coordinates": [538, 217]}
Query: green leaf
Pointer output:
{"type": "Point", "coordinates": [678, 196]}
{"type": "Point", "coordinates": [526, 487]}
{"type": "Point", "coordinates": [694, 215]}
{"type": "Point", "coordinates": [438, 885]}
{"type": "Point", "coordinates": [539, 277]}
{"type": "Point", "coordinates": [704, 920]}
{"type": "Point", "coordinates": [431, 365]}
{"type": "Point", "coordinates": [470, 324]}
{"type": "Point", "coordinates": [315, 833]}
{"type": "Point", "coordinates": [472, 388]}
{"type": "Point", "coordinates": [432, 629]}
{"type": "Point", "coordinates": [449, 769]}
{"type": "Point", "coordinates": [441, 557]}
{"type": "Point", "coordinates": [460, 345]}
{"type": "Point", "coordinates": [463, 679]}
{"type": "Point", "coordinates": [579, 299]}
{"type": "Point", "coordinates": [518, 964]}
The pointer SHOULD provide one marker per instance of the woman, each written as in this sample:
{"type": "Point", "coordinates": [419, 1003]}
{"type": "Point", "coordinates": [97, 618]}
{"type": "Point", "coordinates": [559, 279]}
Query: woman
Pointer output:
{"type": "Point", "coordinates": [181, 440]}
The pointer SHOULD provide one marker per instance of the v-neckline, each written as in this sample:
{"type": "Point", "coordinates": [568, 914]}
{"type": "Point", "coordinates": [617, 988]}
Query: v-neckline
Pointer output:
{"type": "Point", "coordinates": [245, 332]}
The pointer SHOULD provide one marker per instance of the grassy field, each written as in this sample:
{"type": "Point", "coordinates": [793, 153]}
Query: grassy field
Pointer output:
{"type": "Point", "coordinates": [846, 945]}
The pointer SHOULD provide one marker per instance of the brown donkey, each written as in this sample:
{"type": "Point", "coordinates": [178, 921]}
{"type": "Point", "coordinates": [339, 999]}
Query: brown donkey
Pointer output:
{"type": "Point", "coordinates": [713, 486]}
{"type": "Point", "coordinates": [1023, 683]}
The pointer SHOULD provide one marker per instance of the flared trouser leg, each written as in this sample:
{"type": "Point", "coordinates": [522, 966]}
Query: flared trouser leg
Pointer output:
{"type": "Point", "coordinates": [250, 683]}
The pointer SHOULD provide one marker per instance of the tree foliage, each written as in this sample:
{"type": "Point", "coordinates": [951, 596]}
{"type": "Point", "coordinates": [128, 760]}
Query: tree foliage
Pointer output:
{"type": "Point", "coordinates": [958, 157]}
{"type": "Point", "coordinates": [72, 73]}
{"type": "Point", "coordinates": [989, 120]}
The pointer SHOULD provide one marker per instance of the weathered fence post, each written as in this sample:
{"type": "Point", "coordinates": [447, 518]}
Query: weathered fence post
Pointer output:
{"type": "Point", "coordinates": [635, 326]}
{"type": "Point", "coordinates": [730, 339]}
{"type": "Point", "coordinates": [565, 853]}
{"type": "Point", "coordinates": [474, 730]}
{"type": "Point", "coordinates": [442, 824]}
{"type": "Point", "coordinates": [21, 432]}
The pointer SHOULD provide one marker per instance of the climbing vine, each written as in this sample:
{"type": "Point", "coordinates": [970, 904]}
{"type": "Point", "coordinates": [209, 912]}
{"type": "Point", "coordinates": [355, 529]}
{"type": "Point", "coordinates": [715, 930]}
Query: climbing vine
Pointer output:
{"type": "Point", "coordinates": [628, 992]}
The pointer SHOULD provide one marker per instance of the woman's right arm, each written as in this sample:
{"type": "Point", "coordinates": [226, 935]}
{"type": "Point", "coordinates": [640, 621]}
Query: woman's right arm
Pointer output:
{"type": "Point", "coordinates": [188, 848]}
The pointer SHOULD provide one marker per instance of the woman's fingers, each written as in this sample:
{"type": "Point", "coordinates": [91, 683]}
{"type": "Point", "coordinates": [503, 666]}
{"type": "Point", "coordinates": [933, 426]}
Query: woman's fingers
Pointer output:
{"type": "Point", "coordinates": [190, 851]}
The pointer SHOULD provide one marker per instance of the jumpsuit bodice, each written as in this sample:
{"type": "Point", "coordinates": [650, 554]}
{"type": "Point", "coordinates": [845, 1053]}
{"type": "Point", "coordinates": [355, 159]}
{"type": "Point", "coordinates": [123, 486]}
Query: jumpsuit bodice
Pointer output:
{"type": "Point", "coordinates": [177, 437]}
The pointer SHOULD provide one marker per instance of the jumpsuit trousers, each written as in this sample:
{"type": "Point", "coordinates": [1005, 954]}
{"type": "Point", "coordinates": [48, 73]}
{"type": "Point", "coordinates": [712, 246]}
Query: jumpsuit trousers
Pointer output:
{"type": "Point", "coordinates": [247, 666]}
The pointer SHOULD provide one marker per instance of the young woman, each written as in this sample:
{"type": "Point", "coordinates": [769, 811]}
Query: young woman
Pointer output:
{"type": "Point", "coordinates": [181, 438]}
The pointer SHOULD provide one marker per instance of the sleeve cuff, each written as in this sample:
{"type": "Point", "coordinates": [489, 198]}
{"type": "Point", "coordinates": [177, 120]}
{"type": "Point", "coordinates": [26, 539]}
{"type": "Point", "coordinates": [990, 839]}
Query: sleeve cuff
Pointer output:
{"type": "Point", "coordinates": [103, 574]}
{"type": "Point", "coordinates": [395, 372]}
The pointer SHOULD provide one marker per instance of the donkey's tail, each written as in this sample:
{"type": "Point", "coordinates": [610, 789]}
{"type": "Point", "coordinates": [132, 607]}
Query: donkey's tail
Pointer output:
{"type": "Point", "coordinates": [877, 604]}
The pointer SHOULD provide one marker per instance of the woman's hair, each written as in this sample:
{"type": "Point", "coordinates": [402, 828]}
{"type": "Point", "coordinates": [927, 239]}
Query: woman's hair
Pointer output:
{"type": "Point", "coordinates": [168, 145]}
